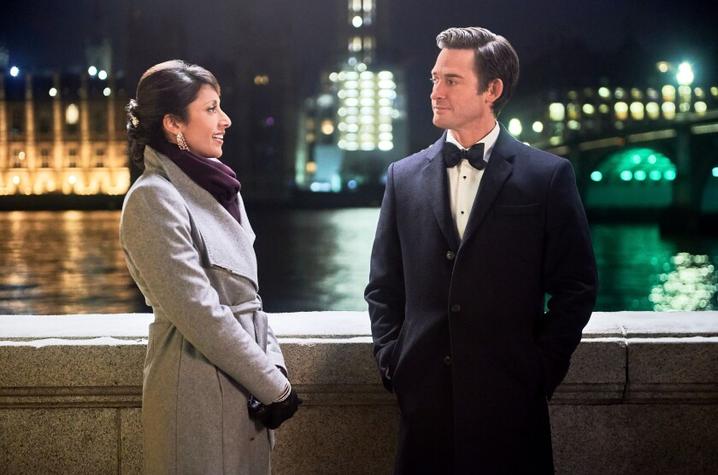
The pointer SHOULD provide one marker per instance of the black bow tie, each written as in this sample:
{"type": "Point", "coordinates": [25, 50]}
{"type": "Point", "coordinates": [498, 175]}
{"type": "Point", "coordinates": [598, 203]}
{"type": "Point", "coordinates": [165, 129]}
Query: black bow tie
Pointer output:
{"type": "Point", "coordinates": [453, 155]}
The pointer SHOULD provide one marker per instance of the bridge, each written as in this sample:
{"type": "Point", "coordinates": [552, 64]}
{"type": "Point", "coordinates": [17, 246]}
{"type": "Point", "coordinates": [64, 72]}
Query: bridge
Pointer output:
{"type": "Point", "coordinates": [633, 149]}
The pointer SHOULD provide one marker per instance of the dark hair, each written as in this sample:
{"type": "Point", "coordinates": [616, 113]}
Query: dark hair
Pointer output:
{"type": "Point", "coordinates": [494, 58]}
{"type": "Point", "coordinates": [165, 88]}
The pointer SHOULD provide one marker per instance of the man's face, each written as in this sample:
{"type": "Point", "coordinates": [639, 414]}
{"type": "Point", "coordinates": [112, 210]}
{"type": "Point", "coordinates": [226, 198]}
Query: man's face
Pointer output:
{"type": "Point", "coordinates": [455, 97]}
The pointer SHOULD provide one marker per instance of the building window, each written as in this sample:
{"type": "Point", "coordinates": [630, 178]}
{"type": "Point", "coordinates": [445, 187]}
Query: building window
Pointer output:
{"type": "Point", "coordinates": [17, 122]}
{"type": "Point", "coordinates": [100, 157]}
{"type": "Point", "coordinates": [355, 44]}
{"type": "Point", "coordinates": [45, 158]}
{"type": "Point", "coordinates": [72, 158]}
{"type": "Point", "coordinates": [18, 158]}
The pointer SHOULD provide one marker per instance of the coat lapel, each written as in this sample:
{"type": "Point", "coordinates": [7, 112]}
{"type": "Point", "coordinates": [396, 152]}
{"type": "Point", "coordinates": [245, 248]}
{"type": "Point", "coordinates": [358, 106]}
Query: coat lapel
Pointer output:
{"type": "Point", "coordinates": [436, 188]}
{"type": "Point", "coordinates": [228, 245]}
{"type": "Point", "coordinates": [497, 172]}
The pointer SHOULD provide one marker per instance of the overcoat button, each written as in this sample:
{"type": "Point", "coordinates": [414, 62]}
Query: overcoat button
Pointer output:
{"type": "Point", "coordinates": [447, 360]}
{"type": "Point", "coordinates": [450, 255]}
{"type": "Point", "coordinates": [456, 308]}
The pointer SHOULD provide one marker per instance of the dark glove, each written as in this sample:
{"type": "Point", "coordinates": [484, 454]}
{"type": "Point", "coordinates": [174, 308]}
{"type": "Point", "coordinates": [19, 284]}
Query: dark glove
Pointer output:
{"type": "Point", "coordinates": [273, 415]}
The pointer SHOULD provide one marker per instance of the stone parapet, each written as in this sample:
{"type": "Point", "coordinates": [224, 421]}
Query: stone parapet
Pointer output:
{"type": "Point", "coordinates": [641, 395]}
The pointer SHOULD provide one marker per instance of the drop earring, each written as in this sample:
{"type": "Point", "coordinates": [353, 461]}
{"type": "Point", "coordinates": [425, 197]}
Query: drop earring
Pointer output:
{"type": "Point", "coordinates": [181, 142]}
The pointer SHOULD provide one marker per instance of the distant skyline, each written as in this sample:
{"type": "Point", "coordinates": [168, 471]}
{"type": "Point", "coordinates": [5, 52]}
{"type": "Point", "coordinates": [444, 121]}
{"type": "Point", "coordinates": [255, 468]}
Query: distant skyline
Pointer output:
{"type": "Point", "coordinates": [561, 43]}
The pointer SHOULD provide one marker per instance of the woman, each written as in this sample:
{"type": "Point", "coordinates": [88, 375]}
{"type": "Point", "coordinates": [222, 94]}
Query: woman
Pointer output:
{"type": "Point", "coordinates": [188, 245]}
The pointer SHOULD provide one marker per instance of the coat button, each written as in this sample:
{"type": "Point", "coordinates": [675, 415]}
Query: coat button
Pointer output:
{"type": "Point", "coordinates": [450, 255]}
{"type": "Point", "coordinates": [447, 360]}
{"type": "Point", "coordinates": [456, 308]}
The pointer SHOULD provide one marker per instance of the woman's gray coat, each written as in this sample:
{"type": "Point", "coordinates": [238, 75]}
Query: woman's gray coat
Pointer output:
{"type": "Point", "coordinates": [210, 345]}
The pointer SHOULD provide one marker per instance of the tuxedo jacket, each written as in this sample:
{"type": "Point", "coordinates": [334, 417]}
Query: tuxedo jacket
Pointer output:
{"type": "Point", "coordinates": [462, 330]}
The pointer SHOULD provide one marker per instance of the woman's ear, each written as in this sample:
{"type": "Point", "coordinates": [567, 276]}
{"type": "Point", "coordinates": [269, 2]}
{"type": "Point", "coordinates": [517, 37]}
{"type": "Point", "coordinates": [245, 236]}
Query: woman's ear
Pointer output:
{"type": "Point", "coordinates": [171, 125]}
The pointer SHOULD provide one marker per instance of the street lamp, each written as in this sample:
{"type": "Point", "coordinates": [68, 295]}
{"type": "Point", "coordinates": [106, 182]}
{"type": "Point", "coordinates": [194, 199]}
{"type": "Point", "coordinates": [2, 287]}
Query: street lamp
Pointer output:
{"type": "Point", "coordinates": [685, 74]}
{"type": "Point", "coordinates": [14, 71]}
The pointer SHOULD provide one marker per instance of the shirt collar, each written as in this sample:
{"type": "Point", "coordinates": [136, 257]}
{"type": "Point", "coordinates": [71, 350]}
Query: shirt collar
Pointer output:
{"type": "Point", "coordinates": [489, 140]}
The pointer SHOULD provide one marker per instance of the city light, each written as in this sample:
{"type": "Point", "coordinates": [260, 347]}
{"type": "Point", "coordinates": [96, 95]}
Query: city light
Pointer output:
{"type": "Point", "coordinates": [366, 108]}
{"type": "Point", "coordinates": [327, 127]}
{"type": "Point", "coordinates": [261, 80]}
{"type": "Point", "coordinates": [596, 176]}
{"type": "Point", "coordinates": [685, 74]}
{"type": "Point", "coordinates": [669, 175]}
{"type": "Point", "coordinates": [668, 92]}
{"type": "Point", "coordinates": [515, 127]}
{"type": "Point", "coordinates": [102, 74]}
{"type": "Point", "coordinates": [537, 127]}
{"type": "Point", "coordinates": [663, 66]}
{"type": "Point", "coordinates": [556, 111]}
{"type": "Point", "coordinates": [14, 71]}
{"type": "Point", "coordinates": [92, 71]}
{"type": "Point", "coordinates": [604, 92]}
{"type": "Point", "coordinates": [621, 109]}
{"type": "Point", "coordinates": [714, 172]}
{"type": "Point", "coordinates": [52, 92]}
{"type": "Point", "coordinates": [700, 107]}
{"type": "Point", "coordinates": [588, 109]}
{"type": "Point", "coordinates": [357, 21]}
{"type": "Point", "coordinates": [72, 114]}
{"type": "Point", "coordinates": [626, 175]}
{"type": "Point", "coordinates": [653, 110]}
{"type": "Point", "coordinates": [637, 110]}
{"type": "Point", "coordinates": [107, 91]}
{"type": "Point", "coordinates": [669, 110]}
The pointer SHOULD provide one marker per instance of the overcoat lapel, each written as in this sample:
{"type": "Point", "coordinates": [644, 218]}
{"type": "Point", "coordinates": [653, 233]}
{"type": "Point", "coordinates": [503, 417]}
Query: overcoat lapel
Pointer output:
{"type": "Point", "coordinates": [228, 245]}
{"type": "Point", "coordinates": [436, 188]}
{"type": "Point", "coordinates": [497, 172]}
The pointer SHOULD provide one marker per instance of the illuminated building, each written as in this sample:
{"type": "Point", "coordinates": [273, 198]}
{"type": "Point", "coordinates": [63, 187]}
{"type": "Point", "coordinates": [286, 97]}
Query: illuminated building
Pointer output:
{"type": "Point", "coordinates": [62, 134]}
{"type": "Point", "coordinates": [356, 125]}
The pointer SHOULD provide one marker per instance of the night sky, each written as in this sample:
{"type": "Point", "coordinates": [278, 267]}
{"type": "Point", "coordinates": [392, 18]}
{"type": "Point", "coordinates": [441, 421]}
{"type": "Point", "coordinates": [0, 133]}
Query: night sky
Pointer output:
{"type": "Point", "coordinates": [561, 43]}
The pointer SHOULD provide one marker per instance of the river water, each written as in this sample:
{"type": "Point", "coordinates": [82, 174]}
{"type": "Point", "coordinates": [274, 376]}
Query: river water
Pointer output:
{"type": "Point", "coordinates": [70, 262]}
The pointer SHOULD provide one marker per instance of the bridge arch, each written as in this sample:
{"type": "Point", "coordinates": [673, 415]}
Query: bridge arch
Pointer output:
{"type": "Point", "coordinates": [633, 177]}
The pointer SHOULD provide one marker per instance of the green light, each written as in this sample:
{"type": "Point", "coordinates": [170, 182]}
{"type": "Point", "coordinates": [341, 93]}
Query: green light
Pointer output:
{"type": "Point", "coordinates": [598, 176]}
{"type": "Point", "coordinates": [655, 175]}
{"type": "Point", "coordinates": [636, 159]}
{"type": "Point", "coordinates": [639, 175]}
{"type": "Point", "coordinates": [669, 175]}
{"type": "Point", "coordinates": [626, 175]}
{"type": "Point", "coordinates": [652, 159]}
{"type": "Point", "coordinates": [715, 172]}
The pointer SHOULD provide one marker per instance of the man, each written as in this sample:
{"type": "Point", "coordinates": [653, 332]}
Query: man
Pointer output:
{"type": "Point", "coordinates": [467, 246]}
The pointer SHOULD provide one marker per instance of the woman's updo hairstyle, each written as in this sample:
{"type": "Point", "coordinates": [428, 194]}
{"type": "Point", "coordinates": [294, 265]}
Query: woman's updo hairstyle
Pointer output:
{"type": "Point", "coordinates": [166, 88]}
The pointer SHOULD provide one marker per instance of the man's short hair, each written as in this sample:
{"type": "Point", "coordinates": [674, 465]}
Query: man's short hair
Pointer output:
{"type": "Point", "coordinates": [494, 58]}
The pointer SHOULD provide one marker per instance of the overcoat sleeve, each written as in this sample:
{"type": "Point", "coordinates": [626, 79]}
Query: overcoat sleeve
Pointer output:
{"type": "Point", "coordinates": [569, 276]}
{"type": "Point", "coordinates": [156, 237]}
{"type": "Point", "coordinates": [385, 292]}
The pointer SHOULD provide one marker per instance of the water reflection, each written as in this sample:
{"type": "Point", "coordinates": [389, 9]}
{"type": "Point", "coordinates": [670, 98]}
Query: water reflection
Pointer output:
{"type": "Point", "coordinates": [70, 262]}
{"type": "Point", "coordinates": [63, 262]}
{"type": "Point", "coordinates": [691, 286]}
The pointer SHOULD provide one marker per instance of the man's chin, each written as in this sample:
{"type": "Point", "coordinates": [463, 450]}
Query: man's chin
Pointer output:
{"type": "Point", "coordinates": [439, 122]}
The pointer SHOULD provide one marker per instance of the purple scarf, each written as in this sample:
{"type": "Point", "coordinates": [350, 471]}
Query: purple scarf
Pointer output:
{"type": "Point", "coordinates": [217, 178]}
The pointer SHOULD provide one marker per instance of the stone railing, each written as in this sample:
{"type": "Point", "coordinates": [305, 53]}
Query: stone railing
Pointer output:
{"type": "Point", "coordinates": [641, 395]}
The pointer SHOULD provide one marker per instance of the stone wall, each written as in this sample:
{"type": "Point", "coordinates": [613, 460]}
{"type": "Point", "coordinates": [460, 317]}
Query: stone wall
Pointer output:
{"type": "Point", "coordinates": [641, 395]}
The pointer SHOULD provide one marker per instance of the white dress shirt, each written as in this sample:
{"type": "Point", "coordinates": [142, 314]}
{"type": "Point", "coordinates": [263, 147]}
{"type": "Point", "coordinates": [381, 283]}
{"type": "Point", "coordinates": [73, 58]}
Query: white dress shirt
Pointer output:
{"type": "Point", "coordinates": [464, 180]}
